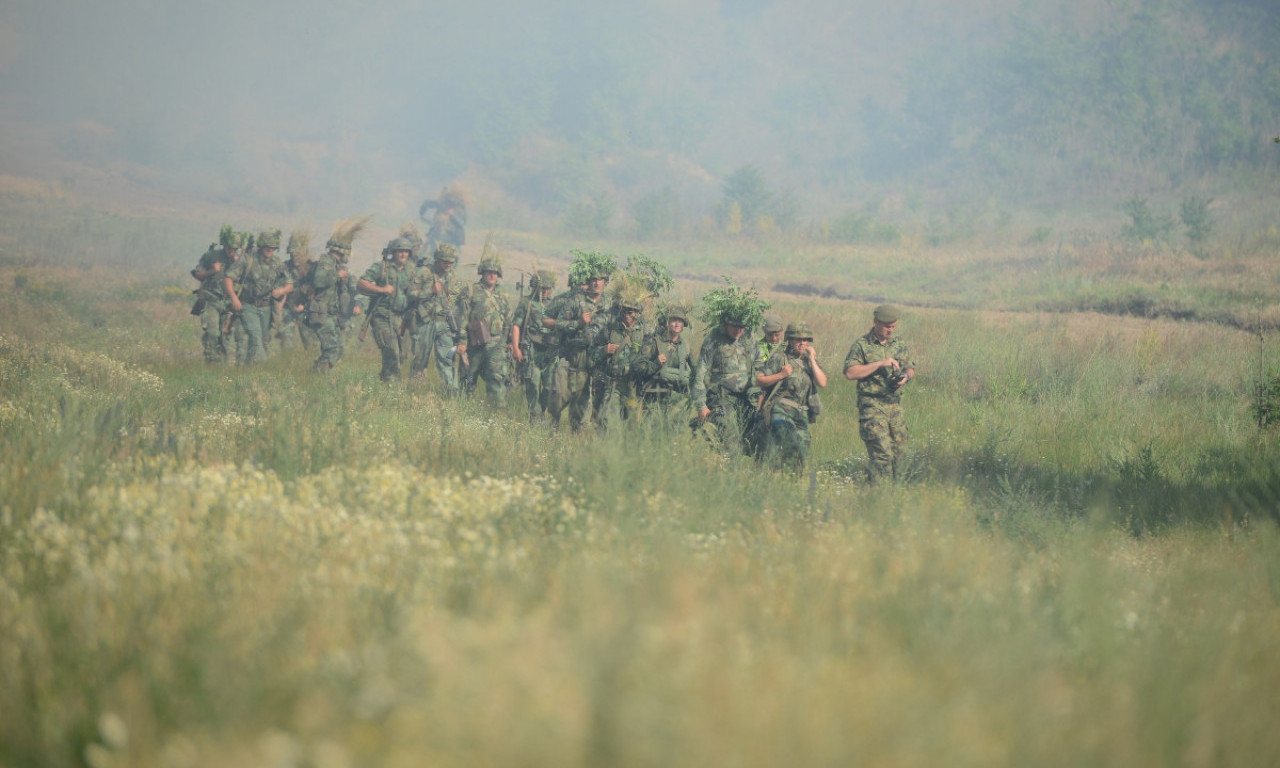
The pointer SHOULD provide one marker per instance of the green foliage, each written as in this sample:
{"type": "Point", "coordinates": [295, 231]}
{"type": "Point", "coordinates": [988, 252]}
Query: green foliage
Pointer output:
{"type": "Point", "coordinates": [1146, 225]}
{"type": "Point", "coordinates": [589, 264]}
{"type": "Point", "coordinates": [657, 214]}
{"type": "Point", "coordinates": [856, 227]}
{"type": "Point", "coordinates": [655, 274]}
{"type": "Point", "coordinates": [748, 206]}
{"type": "Point", "coordinates": [1198, 220]}
{"type": "Point", "coordinates": [591, 217]}
{"type": "Point", "coordinates": [1266, 404]}
{"type": "Point", "coordinates": [1038, 236]}
{"type": "Point", "coordinates": [732, 302]}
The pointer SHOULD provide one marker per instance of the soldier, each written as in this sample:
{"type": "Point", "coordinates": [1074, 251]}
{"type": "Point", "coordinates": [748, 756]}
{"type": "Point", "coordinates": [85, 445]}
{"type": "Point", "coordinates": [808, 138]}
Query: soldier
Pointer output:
{"type": "Point", "coordinates": [569, 316]}
{"type": "Point", "coordinates": [882, 366]}
{"type": "Point", "coordinates": [211, 297]}
{"type": "Point", "coordinates": [724, 387]}
{"type": "Point", "coordinates": [434, 293]}
{"type": "Point", "coordinates": [387, 283]}
{"type": "Point", "coordinates": [664, 364]}
{"type": "Point", "coordinates": [532, 344]}
{"type": "Point", "coordinates": [323, 290]}
{"type": "Point", "coordinates": [770, 338]}
{"type": "Point", "coordinates": [789, 378]}
{"type": "Point", "coordinates": [253, 284]}
{"type": "Point", "coordinates": [485, 313]}
{"type": "Point", "coordinates": [615, 338]}
{"type": "Point", "coordinates": [297, 267]}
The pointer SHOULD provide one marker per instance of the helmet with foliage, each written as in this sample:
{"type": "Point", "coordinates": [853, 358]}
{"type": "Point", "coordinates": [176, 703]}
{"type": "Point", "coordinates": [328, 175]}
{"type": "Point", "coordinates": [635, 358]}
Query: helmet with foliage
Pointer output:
{"type": "Point", "coordinates": [269, 238]}
{"type": "Point", "coordinates": [733, 304]}
{"type": "Point", "coordinates": [446, 252]}
{"type": "Point", "coordinates": [344, 233]}
{"type": "Point", "coordinates": [675, 312]}
{"type": "Point", "coordinates": [630, 292]}
{"type": "Point", "coordinates": [299, 244]}
{"type": "Point", "coordinates": [654, 273]}
{"type": "Point", "coordinates": [588, 265]}
{"type": "Point", "coordinates": [543, 279]}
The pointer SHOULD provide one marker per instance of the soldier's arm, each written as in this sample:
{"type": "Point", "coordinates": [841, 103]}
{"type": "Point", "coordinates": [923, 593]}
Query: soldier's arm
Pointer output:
{"type": "Point", "coordinates": [856, 368]}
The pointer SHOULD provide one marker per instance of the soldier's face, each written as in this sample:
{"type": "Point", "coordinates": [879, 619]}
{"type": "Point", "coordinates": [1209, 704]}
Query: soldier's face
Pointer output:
{"type": "Point", "coordinates": [675, 326]}
{"type": "Point", "coordinates": [490, 279]}
{"type": "Point", "coordinates": [595, 285]}
{"type": "Point", "coordinates": [442, 267]}
{"type": "Point", "coordinates": [628, 317]}
{"type": "Point", "coordinates": [799, 345]}
{"type": "Point", "coordinates": [883, 330]}
{"type": "Point", "coordinates": [544, 293]}
{"type": "Point", "coordinates": [773, 337]}
{"type": "Point", "coordinates": [269, 251]}
{"type": "Point", "coordinates": [400, 256]}
{"type": "Point", "coordinates": [734, 330]}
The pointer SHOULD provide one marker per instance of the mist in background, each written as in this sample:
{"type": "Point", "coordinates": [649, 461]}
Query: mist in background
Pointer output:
{"type": "Point", "coordinates": [567, 109]}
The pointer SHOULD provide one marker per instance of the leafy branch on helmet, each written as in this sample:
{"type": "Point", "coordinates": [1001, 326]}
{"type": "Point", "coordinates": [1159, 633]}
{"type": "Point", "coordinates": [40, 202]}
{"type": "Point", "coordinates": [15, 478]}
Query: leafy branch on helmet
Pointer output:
{"type": "Point", "coordinates": [589, 264]}
{"type": "Point", "coordinates": [733, 303]}
{"type": "Point", "coordinates": [655, 273]}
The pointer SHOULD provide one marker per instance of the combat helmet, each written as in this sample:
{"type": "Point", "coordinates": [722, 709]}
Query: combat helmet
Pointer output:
{"type": "Point", "coordinates": [544, 278]}
{"type": "Point", "coordinates": [344, 232]}
{"type": "Point", "coordinates": [676, 312]}
{"type": "Point", "coordinates": [446, 252]}
{"type": "Point", "coordinates": [799, 331]}
{"type": "Point", "coordinates": [269, 238]}
{"type": "Point", "coordinates": [772, 324]}
{"type": "Point", "coordinates": [490, 263]}
{"type": "Point", "coordinates": [630, 292]}
{"type": "Point", "coordinates": [299, 244]}
{"type": "Point", "coordinates": [230, 239]}
{"type": "Point", "coordinates": [401, 243]}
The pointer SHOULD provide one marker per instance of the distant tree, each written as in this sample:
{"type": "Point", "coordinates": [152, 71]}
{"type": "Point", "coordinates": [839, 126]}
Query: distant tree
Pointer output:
{"type": "Point", "coordinates": [747, 189]}
{"type": "Point", "coordinates": [1146, 225]}
{"type": "Point", "coordinates": [1198, 221]}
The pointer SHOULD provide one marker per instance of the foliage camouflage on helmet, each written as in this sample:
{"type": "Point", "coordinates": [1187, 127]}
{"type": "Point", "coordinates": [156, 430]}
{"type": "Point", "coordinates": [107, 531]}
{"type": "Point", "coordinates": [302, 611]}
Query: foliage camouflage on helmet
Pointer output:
{"type": "Point", "coordinates": [344, 233]}
{"type": "Point", "coordinates": [269, 238]}
{"type": "Point", "coordinates": [653, 271]}
{"type": "Point", "coordinates": [227, 236]}
{"type": "Point", "coordinates": [410, 232]}
{"type": "Point", "coordinates": [245, 239]}
{"type": "Point", "coordinates": [446, 252]}
{"type": "Point", "coordinates": [799, 331]}
{"type": "Point", "coordinates": [589, 264]}
{"type": "Point", "coordinates": [544, 278]}
{"type": "Point", "coordinates": [630, 292]}
{"type": "Point", "coordinates": [490, 259]}
{"type": "Point", "coordinates": [675, 312]}
{"type": "Point", "coordinates": [299, 244]}
{"type": "Point", "coordinates": [733, 303]}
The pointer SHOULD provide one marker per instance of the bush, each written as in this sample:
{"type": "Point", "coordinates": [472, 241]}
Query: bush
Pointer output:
{"type": "Point", "coordinates": [1146, 225]}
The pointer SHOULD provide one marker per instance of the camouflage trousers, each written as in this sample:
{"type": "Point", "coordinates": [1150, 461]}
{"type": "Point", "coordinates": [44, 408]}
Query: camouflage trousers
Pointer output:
{"type": "Point", "coordinates": [533, 374]}
{"type": "Point", "coordinates": [730, 416]}
{"type": "Point", "coordinates": [256, 321]}
{"type": "Point", "coordinates": [434, 337]}
{"type": "Point", "coordinates": [235, 338]}
{"type": "Point", "coordinates": [884, 430]}
{"type": "Point", "coordinates": [669, 407]}
{"type": "Point", "coordinates": [215, 350]}
{"type": "Point", "coordinates": [568, 387]}
{"type": "Point", "coordinates": [385, 327]}
{"type": "Point", "coordinates": [787, 445]}
{"type": "Point", "coordinates": [491, 364]}
{"type": "Point", "coordinates": [325, 328]}
{"type": "Point", "coordinates": [603, 388]}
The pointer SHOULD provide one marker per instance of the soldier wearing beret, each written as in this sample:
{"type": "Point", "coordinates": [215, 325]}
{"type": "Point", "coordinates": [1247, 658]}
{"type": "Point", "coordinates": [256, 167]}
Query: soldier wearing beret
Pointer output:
{"type": "Point", "coordinates": [882, 366]}
{"type": "Point", "coordinates": [770, 337]}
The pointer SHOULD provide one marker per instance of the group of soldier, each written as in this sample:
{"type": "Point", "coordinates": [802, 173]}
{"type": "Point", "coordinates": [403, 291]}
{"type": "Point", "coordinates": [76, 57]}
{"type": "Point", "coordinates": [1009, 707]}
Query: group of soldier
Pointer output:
{"type": "Point", "coordinates": [580, 351]}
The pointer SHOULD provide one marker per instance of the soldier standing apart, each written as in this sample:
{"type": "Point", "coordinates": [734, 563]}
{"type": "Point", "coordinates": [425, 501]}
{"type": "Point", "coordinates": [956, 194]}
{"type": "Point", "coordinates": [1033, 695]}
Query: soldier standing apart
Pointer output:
{"type": "Point", "coordinates": [386, 282]}
{"type": "Point", "coordinates": [253, 284]}
{"type": "Point", "coordinates": [570, 316]}
{"type": "Point", "coordinates": [882, 366]}
{"type": "Point", "coordinates": [211, 296]}
{"type": "Point", "coordinates": [615, 338]}
{"type": "Point", "coordinates": [724, 386]}
{"type": "Point", "coordinates": [664, 365]}
{"type": "Point", "coordinates": [435, 292]}
{"type": "Point", "coordinates": [483, 308]}
{"type": "Point", "coordinates": [531, 342]}
{"type": "Point", "coordinates": [790, 377]}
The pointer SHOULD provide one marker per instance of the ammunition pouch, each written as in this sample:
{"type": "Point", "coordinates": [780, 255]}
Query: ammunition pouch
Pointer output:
{"type": "Point", "coordinates": [478, 333]}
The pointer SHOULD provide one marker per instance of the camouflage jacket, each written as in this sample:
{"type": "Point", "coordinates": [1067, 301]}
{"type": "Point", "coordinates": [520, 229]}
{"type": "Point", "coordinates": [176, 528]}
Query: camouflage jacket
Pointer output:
{"type": "Point", "coordinates": [298, 273]}
{"type": "Point", "coordinates": [570, 332]}
{"type": "Point", "coordinates": [255, 277]}
{"type": "Point", "coordinates": [671, 376]}
{"type": "Point", "coordinates": [211, 288]}
{"type": "Point", "coordinates": [790, 396]}
{"type": "Point", "coordinates": [868, 349]}
{"type": "Point", "coordinates": [481, 311]}
{"type": "Point", "coordinates": [433, 295]}
{"type": "Point", "coordinates": [611, 331]}
{"type": "Point", "coordinates": [382, 273]}
{"type": "Point", "coordinates": [724, 366]}
{"type": "Point", "coordinates": [323, 287]}
{"type": "Point", "coordinates": [528, 318]}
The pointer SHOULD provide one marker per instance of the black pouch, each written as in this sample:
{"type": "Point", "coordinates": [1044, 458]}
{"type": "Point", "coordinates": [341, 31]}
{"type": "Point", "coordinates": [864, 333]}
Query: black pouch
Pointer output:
{"type": "Point", "coordinates": [815, 406]}
{"type": "Point", "coordinates": [477, 333]}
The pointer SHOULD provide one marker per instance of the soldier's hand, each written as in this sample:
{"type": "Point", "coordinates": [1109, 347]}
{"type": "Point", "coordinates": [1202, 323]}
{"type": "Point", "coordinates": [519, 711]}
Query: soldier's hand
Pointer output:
{"type": "Point", "coordinates": [517, 353]}
{"type": "Point", "coordinates": [217, 266]}
{"type": "Point", "coordinates": [342, 274]}
{"type": "Point", "coordinates": [586, 318]}
{"type": "Point", "coordinates": [786, 369]}
{"type": "Point", "coordinates": [889, 362]}
{"type": "Point", "coordinates": [355, 309]}
{"type": "Point", "coordinates": [299, 308]}
{"type": "Point", "coordinates": [609, 349]}
{"type": "Point", "coordinates": [662, 359]}
{"type": "Point", "coordinates": [236, 306]}
{"type": "Point", "coordinates": [388, 289]}
{"type": "Point", "coordinates": [704, 413]}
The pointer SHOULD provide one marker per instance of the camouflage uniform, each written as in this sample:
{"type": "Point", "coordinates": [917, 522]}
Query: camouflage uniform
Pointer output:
{"type": "Point", "coordinates": [569, 382]}
{"type": "Point", "coordinates": [386, 311]}
{"type": "Point", "coordinates": [436, 329]}
{"type": "Point", "coordinates": [254, 277]}
{"type": "Point", "coordinates": [664, 386]}
{"type": "Point", "coordinates": [485, 317]}
{"type": "Point", "coordinates": [613, 371]}
{"type": "Point", "coordinates": [880, 419]}
{"type": "Point", "coordinates": [212, 302]}
{"type": "Point", "coordinates": [788, 409]}
{"type": "Point", "coordinates": [323, 288]}
{"type": "Point", "coordinates": [297, 271]}
{"type": "Point", "coordinates": [724, 381]}
{"type": "Point", "coordinates": [536, 346]}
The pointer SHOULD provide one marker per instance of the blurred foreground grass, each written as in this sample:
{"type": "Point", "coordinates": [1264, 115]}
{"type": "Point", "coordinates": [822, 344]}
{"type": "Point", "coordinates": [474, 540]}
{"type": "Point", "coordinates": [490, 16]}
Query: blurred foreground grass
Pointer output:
{"type": "Point", "coordinates": [215, 566]}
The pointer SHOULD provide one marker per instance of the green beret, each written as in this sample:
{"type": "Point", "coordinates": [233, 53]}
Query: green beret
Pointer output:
{"type": "Point", "coordinates": [772, 324]}
{"type": "Point", "coordinates": [887, 314]}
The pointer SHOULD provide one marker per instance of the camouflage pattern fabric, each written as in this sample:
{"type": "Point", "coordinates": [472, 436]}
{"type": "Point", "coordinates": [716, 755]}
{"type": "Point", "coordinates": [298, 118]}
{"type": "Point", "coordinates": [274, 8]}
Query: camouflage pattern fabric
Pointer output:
{"type": "Point", "coordinates": [482, 310]}
{"type": "Point", "coordinates": [211, 303]}
{"type": "Point", "coordinates": [788, 438]}
{"type": "Point", "coordinates": [387, 312]}
{"type": "Point", "coordinates": [724, 381]}
{"type": "Point", "coordinates": [322, 287]}
{"type": "Point", "coordinates": [881, 423]}
{"type": "Point", "coordinates": [254, 277]}
{"type": "Point", "coordinates": [539, 354]}
{"type": "Point", "coordinates": [570, 379]}
{"type": "Point", "coordinates": [664, 387]}
{"type": "Point", "coordinates": [434, 296]}
{"type": "Point", "coordinates": [614, 371]}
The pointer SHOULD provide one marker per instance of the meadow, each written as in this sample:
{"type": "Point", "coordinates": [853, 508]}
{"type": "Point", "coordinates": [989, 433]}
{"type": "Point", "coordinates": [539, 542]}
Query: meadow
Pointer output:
{"type": "Point", "coordinates": [205, 566]}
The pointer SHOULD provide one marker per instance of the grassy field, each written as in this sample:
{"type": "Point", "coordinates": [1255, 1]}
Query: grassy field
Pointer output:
{"type": "Point", "coordinates": [205, 566]}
